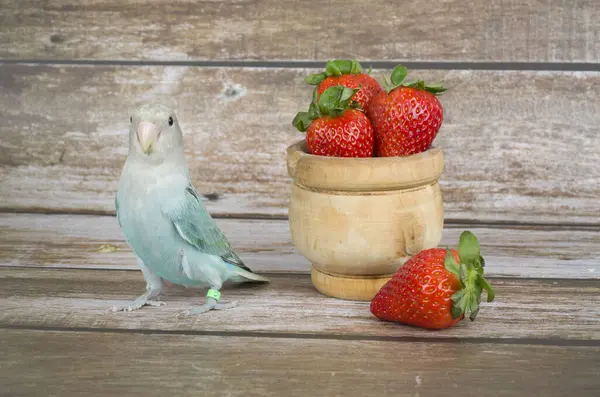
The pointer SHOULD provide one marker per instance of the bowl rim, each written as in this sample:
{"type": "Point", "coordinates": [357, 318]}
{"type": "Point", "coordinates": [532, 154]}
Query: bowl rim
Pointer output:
{"type": "Point", "coordinates": [363, 173]}
{"type": "Point", "coordinates": [301, 147]}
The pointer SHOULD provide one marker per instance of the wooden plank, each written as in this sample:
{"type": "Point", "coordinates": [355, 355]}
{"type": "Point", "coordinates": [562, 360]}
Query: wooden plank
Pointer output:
{"type": "Point", "coordinates": [37, 363]}
{"type": "Point", "coordinates": [502, 30]}
{"type": "Point", "coordinates": [76, 241]}
{"type": "Point", "coordinates": [508, 138]}
{"type": "Point", "coordinates": [560, 309]}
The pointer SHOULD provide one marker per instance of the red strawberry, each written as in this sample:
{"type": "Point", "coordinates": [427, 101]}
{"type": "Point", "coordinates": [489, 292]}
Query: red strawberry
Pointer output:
{"type": "Point", "coordinates": [348, 73]}
{"type": "Point", "coordinates": [406, 117]}
{"type": "Point", "coordinates": [335, 128]}
{"type": "Point", "coordinates": [436, 287]}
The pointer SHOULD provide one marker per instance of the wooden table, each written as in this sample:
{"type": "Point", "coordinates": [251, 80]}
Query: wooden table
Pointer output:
{"type": "Point", "coordinates": [541, 336]}
{"type": "Point", "coordinates": [521, 142]}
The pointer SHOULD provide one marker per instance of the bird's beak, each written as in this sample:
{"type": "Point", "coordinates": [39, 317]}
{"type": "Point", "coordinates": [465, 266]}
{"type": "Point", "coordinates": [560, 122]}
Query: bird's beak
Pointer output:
{"type": "Point", "coordinates": [147, 134]}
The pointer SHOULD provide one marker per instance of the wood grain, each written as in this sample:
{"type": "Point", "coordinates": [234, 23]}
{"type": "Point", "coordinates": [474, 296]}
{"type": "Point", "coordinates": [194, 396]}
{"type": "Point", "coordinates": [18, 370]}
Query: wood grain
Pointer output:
{"type": "Point", "coordinates": [75, 241]}
{"type": "Point", "coordinates": [289, 305]}
{"type": "Point", "coordinates": [37, 363]}
{"type": "Point", "coordinates": [509, 138]}
{"type": "Point", "coordinates": [501, 30]}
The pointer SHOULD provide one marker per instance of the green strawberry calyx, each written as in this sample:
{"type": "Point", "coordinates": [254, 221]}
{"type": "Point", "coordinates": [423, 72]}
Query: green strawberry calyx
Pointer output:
{"type": "Point", "coordinates": [332, 102]}
{"type": "Point", "coordinates": [336, 67]}
{"type": "Point", "coordinates": [470, 273]}
{"type": "Point", "coordinates": [397, 80]}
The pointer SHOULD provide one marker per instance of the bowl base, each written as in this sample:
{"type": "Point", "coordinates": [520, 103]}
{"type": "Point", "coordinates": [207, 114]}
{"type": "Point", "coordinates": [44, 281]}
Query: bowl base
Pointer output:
{"type": "Point", "coordinates": [359, 288]}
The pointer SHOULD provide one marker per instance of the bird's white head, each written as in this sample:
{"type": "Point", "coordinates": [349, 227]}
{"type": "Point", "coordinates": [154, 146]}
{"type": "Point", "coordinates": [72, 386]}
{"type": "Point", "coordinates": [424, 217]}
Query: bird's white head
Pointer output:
{"type": "Point", "coordinates": [154, 134]}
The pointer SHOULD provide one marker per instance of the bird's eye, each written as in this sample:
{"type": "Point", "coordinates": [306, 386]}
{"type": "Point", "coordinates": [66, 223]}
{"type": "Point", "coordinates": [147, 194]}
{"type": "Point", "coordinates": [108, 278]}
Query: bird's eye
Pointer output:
{"type": "Point", "coordinates": [170, 121]}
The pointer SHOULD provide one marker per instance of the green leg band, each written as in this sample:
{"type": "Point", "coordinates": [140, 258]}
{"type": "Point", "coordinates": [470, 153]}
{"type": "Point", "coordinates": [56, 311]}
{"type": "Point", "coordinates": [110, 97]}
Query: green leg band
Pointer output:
{"type": "Point", "coordinates": [213, 293]}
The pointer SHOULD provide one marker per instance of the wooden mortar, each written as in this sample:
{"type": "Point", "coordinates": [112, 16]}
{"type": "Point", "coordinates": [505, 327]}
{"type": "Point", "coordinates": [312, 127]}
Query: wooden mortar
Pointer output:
{"type": "Point", "coordinates": [357, 220]}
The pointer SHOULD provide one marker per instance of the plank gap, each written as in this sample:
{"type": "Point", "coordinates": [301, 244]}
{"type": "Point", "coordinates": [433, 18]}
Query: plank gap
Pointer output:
{"type": "Point", "coordinates": [292, 273]}
{"type": "Point", "coordinates": [333, 336]}
{"type": "Point", "coordinates": [435, 65]}
{"type": "Point", "coordinates": [452, 223]}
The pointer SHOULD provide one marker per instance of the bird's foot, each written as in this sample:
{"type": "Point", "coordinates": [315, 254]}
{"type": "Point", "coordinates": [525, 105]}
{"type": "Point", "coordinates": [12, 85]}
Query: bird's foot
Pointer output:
{"type": "Point", "coordinates": [211, 304]}
{"type": "Point", "coordinates": [137, 304]}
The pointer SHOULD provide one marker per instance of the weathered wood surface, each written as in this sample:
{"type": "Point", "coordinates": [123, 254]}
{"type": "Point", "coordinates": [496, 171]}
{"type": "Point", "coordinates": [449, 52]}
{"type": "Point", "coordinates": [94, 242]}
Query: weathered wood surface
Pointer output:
{"type": "Point", "coordinates": [79, 299]}
{"type": "Point", "coordinates": [502, 30]}
{"type": "Point", "coordinates": [76, 241]}
{"type": "Point", "coordinates": [509, 138]}
{"type": "Point", "coordinates": [37, 363]}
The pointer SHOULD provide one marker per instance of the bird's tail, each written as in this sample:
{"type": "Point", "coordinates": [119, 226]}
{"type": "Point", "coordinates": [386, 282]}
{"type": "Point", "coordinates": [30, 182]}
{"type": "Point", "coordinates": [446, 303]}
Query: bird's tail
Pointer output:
{"type": "Point", "coordinates": [248, 276]}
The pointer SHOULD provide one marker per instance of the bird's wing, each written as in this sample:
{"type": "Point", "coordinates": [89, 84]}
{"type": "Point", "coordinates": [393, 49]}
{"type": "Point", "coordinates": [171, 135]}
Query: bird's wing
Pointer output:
{"type": "Point", "coordinates": [195, 225]}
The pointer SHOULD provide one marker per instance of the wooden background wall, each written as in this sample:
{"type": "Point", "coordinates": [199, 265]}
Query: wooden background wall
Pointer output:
{"type": "Point", "coordinates": [521, 133]}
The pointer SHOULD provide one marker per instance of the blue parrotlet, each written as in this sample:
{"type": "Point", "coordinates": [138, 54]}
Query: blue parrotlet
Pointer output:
{"type": "Point", "coordinates": [164, 220]}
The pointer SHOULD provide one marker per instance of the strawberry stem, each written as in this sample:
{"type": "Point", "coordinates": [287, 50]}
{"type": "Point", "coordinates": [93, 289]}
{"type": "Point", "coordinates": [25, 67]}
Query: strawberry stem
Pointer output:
{"type": "Point", "coordinates": [332, 102]}
{"type": "Point", "coordinates": [470, 273]}
{"type": "Point", "coordinates": [336, 67]}
{"type": "Point", "coordinates": [397, 80]}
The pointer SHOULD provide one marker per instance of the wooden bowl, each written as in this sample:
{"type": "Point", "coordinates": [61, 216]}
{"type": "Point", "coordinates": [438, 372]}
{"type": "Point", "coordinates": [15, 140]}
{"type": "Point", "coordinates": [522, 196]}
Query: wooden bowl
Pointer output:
{"type": "Point", "coordinates": [357, 220]}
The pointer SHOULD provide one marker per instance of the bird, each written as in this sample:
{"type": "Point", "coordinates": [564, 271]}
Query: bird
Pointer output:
{"type": "Point", "coordinates": [164, 221]}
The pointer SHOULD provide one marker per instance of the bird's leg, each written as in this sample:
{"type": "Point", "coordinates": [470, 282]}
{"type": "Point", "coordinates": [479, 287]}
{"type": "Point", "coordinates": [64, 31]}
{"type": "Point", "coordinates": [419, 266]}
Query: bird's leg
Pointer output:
{"type": "Point", "coordinates": [212, 298]}
{"type": "Point", "coordinates": [154, 286]}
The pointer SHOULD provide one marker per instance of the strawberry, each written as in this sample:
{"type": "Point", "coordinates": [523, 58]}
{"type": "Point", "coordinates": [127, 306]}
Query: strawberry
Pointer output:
{"type": "Point", "coordinates": [406, 117]}
{"type": "Point", "coordinates": [436, 287]}
{"type": "Point", "coordinates": [334, 127]}
{"type": "Point", "coordinates": [348, 73]}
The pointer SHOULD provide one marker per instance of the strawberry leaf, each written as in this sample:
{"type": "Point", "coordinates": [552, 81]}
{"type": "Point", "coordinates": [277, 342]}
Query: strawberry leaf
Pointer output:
{"type": "Point", "coordinates": [334, 100]}
{"type": "Point", "coordinates": [468, 248]}
{"type": "Point", "coordinates": [484, 284]}
{"type": "Point", "coordinates": [474, 313]}
{"type": "Point", "coordinates": [339, 67]}
{"type": "Point", "coordinates": [386, 85]}
{"type": "Point", "coordinates": [356, 68]}
{"type": "Point", "coordinates": [315, 79]}
{"type": "Point", "coordinates": [411, 83]}
{"type": "Point", "coordinates": [313, 111]}
{"type": "Point", "coordinates": [302, 121]}
{"type": "Point", "coordinates": [332, 69]}
{"type": "Point", "coordinates": [336, 67]}
{"type": "Point", "coordinates": [418, 84]}
{"type": "Point", "coordinates": [346, 94]}
{"type": "Point", "coordinates": [450, 264]}
{"type": "Point", "coordinates": [458, 295]}
{"type": "Point", "coordinates": [315, 95]}
{"type": "Point", "coordinates": [398, 75]}
{"type": "Point", "coordinates": [463, 273]}
{"type": "Point", "coordinates": [436, 88]}
{"type": "Point", "coordinates": [470, 273]}
{"type": "Point", "coordinates": [456, 312]}
{"type": "Point", "coordinates": [459, 300]}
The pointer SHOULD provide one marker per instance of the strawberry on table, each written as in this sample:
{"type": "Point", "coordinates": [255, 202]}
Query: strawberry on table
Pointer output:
{"type": "Point", "coordinates": [406, 116]}
{"type": "Point", "coordinates": [348, 73]}
{"type": "Point", "coordinates": [334, 127]}
{"type": "Point", "coordinates": [436, 287]}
